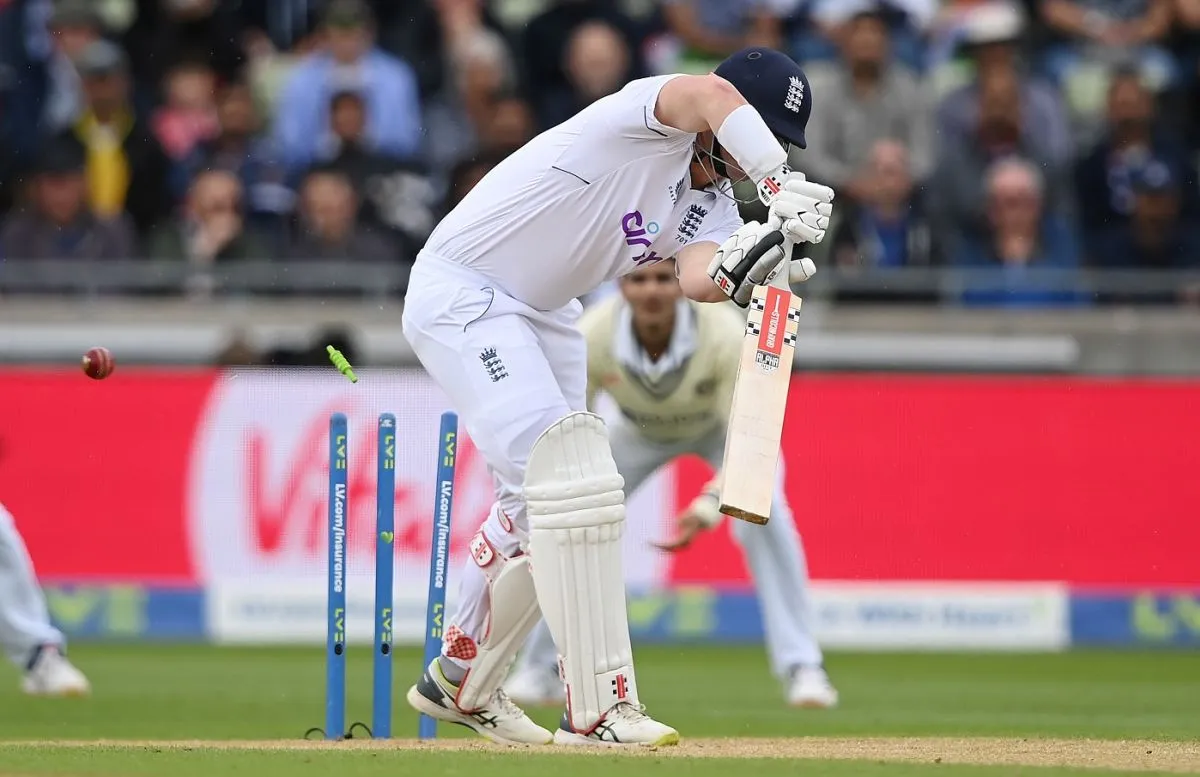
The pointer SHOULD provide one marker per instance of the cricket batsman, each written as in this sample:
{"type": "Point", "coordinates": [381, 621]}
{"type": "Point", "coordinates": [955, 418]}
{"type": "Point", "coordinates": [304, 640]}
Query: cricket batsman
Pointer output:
{"type": "Point", "coordinates": [669, 365]}
{"type": "Point", "coordinates": [491, 313]}
{"type": "Point", "coordinates": [26, 635]}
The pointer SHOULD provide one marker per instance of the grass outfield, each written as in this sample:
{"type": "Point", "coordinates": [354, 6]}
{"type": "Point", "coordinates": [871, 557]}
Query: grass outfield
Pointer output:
{"type": "Point", "coordinates": [199, 710]}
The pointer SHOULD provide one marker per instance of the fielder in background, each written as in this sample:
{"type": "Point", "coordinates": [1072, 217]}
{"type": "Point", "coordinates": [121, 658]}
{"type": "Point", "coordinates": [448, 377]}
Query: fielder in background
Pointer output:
{"type": "Point", "coordinates": [491, 311]}
{"type": "Point", "coordinates": [26, 634]}
{"type": "Point", "coordinates": [669, 365]}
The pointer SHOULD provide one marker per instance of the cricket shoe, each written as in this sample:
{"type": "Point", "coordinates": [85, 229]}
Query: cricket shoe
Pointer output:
{"type": "Point", "coordinates": [536, 687]}
{"type": "Point", "coordinates": [52, 675]}
{"type": "Point", "coordinates": [499, 720]}
{"type": "Point", "coordinates": [623, 725]}
{"type": "Point", "coordinates": [810, 687]}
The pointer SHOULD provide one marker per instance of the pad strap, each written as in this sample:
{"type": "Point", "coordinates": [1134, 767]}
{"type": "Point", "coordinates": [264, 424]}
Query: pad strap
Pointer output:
{"type": "Point", "coordinates": [512, 614]}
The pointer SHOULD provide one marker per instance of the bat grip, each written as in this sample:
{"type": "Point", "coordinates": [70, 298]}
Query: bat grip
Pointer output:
{"type": "Point", "coordinates": [783, 279]}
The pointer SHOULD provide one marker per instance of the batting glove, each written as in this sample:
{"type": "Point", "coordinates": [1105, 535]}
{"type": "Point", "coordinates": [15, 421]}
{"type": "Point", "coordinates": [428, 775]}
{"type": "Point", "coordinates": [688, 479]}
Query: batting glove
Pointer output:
{"type": "Point", "coordinates": [750, 257]}
{"type": "Point", "coordinates": [801, 209]}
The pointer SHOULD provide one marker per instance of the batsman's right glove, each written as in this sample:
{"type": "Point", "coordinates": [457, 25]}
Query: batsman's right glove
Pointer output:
{"type": "Point", "coordinates": [752, 256]}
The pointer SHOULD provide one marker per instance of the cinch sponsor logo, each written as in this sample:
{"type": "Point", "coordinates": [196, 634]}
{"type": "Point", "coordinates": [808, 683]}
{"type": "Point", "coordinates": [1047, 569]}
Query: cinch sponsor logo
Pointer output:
{"type": "Point", "coordinates": [636, 230]}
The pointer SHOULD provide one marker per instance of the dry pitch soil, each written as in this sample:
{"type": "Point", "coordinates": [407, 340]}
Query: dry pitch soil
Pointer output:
{"type": "Point", "coordinates": [1124, 755]}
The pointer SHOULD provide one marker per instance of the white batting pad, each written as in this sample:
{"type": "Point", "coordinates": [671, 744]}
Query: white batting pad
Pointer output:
{"type": "Point", "coordinates": [576, 510]}
{"type": "Point", "coordinates": [512, 614]}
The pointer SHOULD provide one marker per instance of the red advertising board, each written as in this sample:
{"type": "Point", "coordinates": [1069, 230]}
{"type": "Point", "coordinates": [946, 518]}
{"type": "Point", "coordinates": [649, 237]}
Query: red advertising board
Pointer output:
{"type": "Point", "coordinates": [1089, 482]}
{"type": "Point", "coordinates": [176, 477]}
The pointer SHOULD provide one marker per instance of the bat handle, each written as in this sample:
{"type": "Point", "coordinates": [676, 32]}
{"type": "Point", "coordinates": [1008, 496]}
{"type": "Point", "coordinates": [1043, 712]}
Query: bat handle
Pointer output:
{"type": "Point", "coordinates": [783, 279]}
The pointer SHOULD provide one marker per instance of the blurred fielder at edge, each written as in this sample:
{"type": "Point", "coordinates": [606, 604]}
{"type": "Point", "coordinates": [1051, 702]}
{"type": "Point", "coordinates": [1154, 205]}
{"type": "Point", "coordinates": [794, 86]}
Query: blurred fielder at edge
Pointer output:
{"type": "Point", "coordinates": [669, 365]}
{"type": "Point", "coordinates": [26, 635]}
{"type": "Point", "coordinates": [491, 313]}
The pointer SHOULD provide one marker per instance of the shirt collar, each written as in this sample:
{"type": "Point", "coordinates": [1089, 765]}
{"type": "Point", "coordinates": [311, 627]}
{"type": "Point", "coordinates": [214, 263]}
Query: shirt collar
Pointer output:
{"type": "Point", "coordinates": [631, 355]}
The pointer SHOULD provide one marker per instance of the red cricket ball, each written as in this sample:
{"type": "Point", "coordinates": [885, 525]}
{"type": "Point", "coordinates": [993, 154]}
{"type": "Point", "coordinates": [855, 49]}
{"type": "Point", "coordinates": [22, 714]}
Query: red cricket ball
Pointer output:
{"type": "Point", "coordinates": [98, 363]}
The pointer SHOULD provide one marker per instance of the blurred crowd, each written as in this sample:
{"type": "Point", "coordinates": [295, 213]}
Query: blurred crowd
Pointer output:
{"type": "Point", "coordinates": [960, 133]}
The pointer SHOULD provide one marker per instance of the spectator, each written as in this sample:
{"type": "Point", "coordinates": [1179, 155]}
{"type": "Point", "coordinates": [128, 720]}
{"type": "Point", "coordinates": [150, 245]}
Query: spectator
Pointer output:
{"type": "Point", "coordinates": [395, 196]}
{"type": "Point", "coordinates": [990, 42]}
{"type": "Point", "coordinates": [1187, 14]}
{"type": "Point", "coordinates": [864, 101]}
{"type": "Point", "coordinates": [211, 230]}
{"type": "Point", "coordinates": [958, 196]}
{"type": "Point", "coordinates": [73, 26]}
{"type": "Point", "coordinates": [1155, 236]}
{"type": "Point", "coordinates": [127, 169]}
{"type": "Point", "coordinates": [19, 97]}
{"type": "Point", "coordinates": [707, 31]}
{"type": "Point", "coordinates": [165, 32]}
{"type": "Point", "coordinates": [328, 224]}
{"type": "Point", "coordinates": [598, 63]}
{"type": "Point", "coordinates": [544, 42]}
{"type": "Point", "coordinates": [1104, 177]}
{"type": "Point", "coordinates": [906, 20]}
{"type": "Point", "coordinates": [278, 24]}
{"type": "Point", "coordinates": [188, 116]}
{"type": "Point", "coordinates": [59, 224]}
{"type": "Point", "coordinates": [1094, 34]}
{"type": "Point", "coordinates": [510, 126]}
{"type": "Point", "coordinates": [240, 148]}
{"type": "Point", "coordinates": [480, 68]}
{"type": "Point", "coordinates": [887, 226]}
{"type": "Point", "coordinates": [947, 32]}
{"type": "Point", "coordinates": [348, 60]}
{"type": "Point", "coordinates": [9, 175]}
{"type": "Point", "coordinates": [1021, 236]}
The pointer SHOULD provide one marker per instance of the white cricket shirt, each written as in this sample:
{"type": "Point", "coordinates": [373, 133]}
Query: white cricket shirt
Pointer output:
{"type": "Point", "coordinates": [587, 201]}
{"type": "Point", "coordinates": [686, 395]}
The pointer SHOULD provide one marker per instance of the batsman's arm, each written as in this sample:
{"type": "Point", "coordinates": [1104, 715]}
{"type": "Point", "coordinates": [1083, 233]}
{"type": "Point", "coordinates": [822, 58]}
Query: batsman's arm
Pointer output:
{"type": "Point", "coordinates": [709, 102]}
{"type": "Point", "coordinates": [691, 266]}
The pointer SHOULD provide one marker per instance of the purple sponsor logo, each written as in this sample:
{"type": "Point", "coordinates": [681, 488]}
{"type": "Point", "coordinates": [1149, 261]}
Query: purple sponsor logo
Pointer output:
{"type": "Point", "coordinates": [636, 229]}
{"type": "Point", "coordinates": [639, 233]}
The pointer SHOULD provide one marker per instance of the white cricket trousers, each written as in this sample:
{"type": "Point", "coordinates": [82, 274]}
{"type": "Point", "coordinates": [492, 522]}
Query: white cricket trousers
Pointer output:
{"type": "Point", "coordinates": [24, 621]}
{"type": "Point", "coordinates": [511, 372]}
{"type": "Point", "coordinates": [773, 553]}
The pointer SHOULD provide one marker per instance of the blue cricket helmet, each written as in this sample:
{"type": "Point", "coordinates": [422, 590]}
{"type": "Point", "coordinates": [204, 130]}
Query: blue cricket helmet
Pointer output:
{"type": "Point", "coordinates": [775, 85]}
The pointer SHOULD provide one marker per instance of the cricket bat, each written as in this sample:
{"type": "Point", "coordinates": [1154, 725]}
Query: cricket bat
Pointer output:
{"type": "Point", "coordinates": [760, 395]}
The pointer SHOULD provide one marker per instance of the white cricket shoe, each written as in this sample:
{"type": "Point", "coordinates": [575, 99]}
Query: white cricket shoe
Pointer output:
{"type": "Point", "coordinates": [810, 687]}
{"type": "Point", "coordinates": [623, 725]}
{"type": "Point", "coordinates": [499, 720]}
{"type": "Point", "coordinates": [536, 687]}
{"type": "Point", "coordinates": [53, 675]}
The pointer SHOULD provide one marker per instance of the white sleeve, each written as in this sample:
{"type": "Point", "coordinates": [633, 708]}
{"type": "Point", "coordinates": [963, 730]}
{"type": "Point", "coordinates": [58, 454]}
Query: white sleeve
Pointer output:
{"type": "Point", "coordinates": [619, 128]}
{"type": "Point", "coordinates": [630, 111]}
